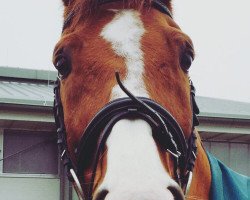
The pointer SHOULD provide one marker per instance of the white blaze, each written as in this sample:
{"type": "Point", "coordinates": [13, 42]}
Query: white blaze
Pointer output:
{"type": "Point", "coordinates": [133, 163]}
{"type": "Point", "coordinates": [124, 33]}
{"type": "Point", "coordinates": [132, 158]}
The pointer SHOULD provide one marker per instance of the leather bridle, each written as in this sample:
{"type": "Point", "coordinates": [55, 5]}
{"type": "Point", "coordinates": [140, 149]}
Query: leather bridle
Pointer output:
{"type": "Point", "coordinates": [166, 131]}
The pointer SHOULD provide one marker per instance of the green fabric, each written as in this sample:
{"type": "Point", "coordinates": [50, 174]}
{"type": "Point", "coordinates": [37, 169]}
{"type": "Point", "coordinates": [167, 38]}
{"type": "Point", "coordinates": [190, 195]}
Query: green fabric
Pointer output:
{"type": "Point", "coordinates": [226, 183]}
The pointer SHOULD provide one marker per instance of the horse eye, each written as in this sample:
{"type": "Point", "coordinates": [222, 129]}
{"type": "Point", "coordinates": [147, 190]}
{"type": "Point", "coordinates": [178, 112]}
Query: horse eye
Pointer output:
{"type": "Point", "coordinates": [186, 61]}
{"type": "Point", "coordinates": [62, 64]}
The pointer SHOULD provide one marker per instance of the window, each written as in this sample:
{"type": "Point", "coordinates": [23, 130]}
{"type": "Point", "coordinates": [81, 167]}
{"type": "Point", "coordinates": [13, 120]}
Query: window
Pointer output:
{"type": "Point", "coordinates": [27, 152]}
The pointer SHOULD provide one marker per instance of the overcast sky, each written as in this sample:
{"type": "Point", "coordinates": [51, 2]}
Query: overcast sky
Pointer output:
{"type": "Point", "coordinates": [220, 31]}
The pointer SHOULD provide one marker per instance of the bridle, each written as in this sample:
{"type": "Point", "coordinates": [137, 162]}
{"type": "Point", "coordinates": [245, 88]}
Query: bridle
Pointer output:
{"type": "Point", "coordinates": [166, 131]}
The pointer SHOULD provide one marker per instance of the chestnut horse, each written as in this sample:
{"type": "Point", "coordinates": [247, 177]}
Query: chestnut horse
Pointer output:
{"type": "Point", "coordinates": [126, 159]}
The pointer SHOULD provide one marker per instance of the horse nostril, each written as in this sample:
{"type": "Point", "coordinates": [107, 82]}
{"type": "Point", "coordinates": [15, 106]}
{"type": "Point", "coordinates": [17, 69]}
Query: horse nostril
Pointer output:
{"type": "Point", "coordinates": [101, 195]}
{"type": "Point", "coordinates": [177, 192]}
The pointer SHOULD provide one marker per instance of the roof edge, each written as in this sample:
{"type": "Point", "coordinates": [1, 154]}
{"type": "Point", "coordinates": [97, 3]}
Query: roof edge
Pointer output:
{"type": "Point", "coordinates": [224, 116]}
{"type": "Point", "coordinates": [28, 74]}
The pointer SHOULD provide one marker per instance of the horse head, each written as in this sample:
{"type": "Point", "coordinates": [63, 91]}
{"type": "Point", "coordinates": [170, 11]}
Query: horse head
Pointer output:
{"type": "Point", "coordinates": [138, 155]}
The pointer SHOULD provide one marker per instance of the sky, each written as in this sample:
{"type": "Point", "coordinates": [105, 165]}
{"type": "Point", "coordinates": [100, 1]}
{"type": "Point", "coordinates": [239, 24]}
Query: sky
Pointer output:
{"type": "Point", "coordinates": [220, 31]}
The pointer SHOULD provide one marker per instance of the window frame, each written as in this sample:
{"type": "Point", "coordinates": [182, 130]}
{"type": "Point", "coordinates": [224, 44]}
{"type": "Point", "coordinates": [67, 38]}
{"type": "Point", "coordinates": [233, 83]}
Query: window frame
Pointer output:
{"type": "Point", "coordinates": [32, 175]}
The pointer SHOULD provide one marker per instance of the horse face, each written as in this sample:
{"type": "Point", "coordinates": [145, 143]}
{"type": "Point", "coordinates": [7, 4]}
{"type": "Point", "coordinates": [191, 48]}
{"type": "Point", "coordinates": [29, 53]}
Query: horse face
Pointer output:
{"type": "Point", "coordinates": [152, 56]}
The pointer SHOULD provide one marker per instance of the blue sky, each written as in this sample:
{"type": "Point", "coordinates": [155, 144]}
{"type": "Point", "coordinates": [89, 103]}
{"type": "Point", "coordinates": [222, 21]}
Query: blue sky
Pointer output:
{"type": "Point", "coordinates": [220, 31]}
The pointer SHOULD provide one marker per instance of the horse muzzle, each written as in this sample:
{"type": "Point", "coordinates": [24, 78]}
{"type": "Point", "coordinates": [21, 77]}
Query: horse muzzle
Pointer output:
{"type": "Point", "coordinates": [171, 193]}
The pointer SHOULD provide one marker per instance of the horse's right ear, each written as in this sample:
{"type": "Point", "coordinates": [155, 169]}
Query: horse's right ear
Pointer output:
{"type": "Point", "coordinates": [168, 3]}
{"type": "Point", "coordinates": [66, 2]}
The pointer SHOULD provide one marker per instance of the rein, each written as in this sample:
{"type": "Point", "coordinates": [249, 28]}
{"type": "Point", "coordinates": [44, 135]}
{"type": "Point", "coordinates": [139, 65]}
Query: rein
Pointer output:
{"type": "Point", "coordinates": [166, 131]}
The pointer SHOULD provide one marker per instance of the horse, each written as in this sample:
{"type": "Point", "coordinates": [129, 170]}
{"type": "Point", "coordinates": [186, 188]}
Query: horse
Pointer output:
{"type": "Point", "coordinates": [125, 106]}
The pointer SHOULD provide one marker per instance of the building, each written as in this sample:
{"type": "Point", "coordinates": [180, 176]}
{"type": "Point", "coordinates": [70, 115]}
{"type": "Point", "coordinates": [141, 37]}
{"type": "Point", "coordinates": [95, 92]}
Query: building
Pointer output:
{"type": "Point", "coordinates": [225, 130]}
{"type": "Point", "coordinates": [29, 164]}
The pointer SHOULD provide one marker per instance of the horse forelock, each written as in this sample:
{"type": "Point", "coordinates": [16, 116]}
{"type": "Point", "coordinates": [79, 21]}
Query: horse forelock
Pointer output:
{"type": "Point", "coordinates": [88, 7]}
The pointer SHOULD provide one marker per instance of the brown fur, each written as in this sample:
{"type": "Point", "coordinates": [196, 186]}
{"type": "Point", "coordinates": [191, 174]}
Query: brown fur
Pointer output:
{"type": "Point", "coordinates": [201, 182]}
{"type": "Point", "coordinates": [88, 86]}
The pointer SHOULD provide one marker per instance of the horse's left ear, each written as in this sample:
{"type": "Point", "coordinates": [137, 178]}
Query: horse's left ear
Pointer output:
{"type": "Point", "coordinates": [66, 2]}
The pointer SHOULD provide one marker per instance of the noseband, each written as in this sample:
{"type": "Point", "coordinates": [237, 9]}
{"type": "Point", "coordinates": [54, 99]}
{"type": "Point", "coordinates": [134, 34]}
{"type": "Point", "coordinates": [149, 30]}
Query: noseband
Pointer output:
{"type": "Point", "coordinates": [166, 130]}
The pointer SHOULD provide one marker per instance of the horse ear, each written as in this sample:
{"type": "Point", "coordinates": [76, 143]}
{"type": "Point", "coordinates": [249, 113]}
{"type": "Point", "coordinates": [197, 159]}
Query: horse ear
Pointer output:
{"type": "Point", "coordinates": [66, 2]}
{"type": "Point", "coordinates": [168, 3]}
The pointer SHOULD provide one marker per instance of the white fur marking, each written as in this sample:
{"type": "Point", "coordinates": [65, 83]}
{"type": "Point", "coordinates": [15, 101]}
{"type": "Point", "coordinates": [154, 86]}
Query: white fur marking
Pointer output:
{"type": "Point", "coordinates": [124, 33]}
{"type": "Point", "coordinates": [133, 161]}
